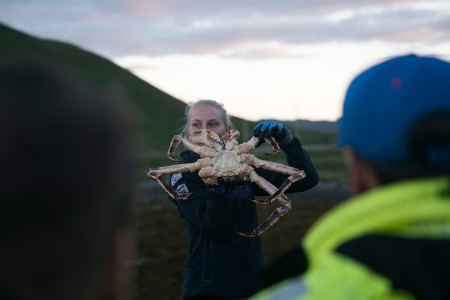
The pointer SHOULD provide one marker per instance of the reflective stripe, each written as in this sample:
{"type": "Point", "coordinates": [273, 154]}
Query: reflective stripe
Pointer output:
{"type": "Point", "coordinates": [292, 288]}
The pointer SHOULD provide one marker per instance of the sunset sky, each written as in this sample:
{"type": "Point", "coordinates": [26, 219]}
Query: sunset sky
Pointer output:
{"type": "Point", "coordinates": [264, 59]}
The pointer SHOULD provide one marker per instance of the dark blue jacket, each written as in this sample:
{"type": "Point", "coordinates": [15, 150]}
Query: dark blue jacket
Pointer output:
{"type": "Point", "coordinates": [222, 263]}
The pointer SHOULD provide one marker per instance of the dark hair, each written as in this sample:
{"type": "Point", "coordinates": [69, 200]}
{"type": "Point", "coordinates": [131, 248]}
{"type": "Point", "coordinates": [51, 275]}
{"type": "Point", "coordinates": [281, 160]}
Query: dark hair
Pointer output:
{"type": "Point", "coordinates": [66, 181]}
{"type": "Point", "coordinates": [430, 151]}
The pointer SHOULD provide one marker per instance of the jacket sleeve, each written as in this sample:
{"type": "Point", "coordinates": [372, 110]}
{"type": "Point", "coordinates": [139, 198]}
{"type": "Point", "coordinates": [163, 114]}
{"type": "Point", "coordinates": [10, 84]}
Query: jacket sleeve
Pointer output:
{"type": "Point", "coordinates": [204, 208]}
{"type": "Point", "coordinates": [296, 157]}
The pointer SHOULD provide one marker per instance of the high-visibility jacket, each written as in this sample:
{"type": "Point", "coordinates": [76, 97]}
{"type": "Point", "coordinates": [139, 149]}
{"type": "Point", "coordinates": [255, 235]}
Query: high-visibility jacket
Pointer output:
{"type": "Point", "coordinates": [392, 242]}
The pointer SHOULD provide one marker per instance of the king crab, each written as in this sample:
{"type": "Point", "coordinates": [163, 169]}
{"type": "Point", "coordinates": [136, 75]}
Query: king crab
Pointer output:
{"type": "Point", "coordinates": [226, 159]}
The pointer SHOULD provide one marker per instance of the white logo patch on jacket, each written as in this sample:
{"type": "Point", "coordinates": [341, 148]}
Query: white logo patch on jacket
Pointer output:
{"type": "Point", "coordinates": [182, 189]}
{"type": "Point", "coordinates": [175, 178]}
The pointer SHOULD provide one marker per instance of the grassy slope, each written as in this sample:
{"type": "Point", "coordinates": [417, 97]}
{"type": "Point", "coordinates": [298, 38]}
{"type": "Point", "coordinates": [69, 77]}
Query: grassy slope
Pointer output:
{"type": "Point", "coordinates": [151, 106]}
{"type": "Point", "coordinates": [158, 115]}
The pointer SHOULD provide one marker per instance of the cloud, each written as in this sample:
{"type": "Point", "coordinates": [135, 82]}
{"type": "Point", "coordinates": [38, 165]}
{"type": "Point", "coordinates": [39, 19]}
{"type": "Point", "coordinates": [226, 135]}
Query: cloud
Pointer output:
{"type": "Point", "coordinates": [281, 59]}
{"type": "Point", "coordinates": [250, 29]}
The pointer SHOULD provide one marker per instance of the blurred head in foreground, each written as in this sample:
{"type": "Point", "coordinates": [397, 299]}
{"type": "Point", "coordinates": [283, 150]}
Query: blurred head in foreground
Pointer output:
{"type": "Point", "coordinates": [66, 175]}
{"type": "Point", "coordinates": [396, 122]}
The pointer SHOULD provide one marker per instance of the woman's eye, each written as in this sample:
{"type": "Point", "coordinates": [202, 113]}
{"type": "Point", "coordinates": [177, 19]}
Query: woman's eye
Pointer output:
{"type": "Point", "coordinates": [212, 125]}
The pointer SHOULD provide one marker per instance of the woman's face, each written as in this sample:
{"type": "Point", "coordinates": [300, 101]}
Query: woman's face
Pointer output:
{"type": "Point", "coordinates": [206, 117]}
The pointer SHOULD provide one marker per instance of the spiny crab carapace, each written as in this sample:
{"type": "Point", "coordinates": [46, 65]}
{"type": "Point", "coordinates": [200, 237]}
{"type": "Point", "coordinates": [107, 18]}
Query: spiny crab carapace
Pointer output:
{"type": "Point", "coordinates": [225, 159]}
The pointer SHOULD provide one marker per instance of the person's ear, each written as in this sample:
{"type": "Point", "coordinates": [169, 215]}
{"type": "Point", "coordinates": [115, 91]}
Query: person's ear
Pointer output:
{"type": "Point", "coordinates": [360, 176]}
{"type": "Point", "coordinates": [120, 269]}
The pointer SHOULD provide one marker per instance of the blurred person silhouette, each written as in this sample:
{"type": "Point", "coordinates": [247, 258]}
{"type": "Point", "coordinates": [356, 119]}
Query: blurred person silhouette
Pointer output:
{"type": "Point", "coordinates": [391, 239]}
{"type": "Point", "coordinates": [221, 264]}
{"type": "Point", "coordinates": [66, 185]}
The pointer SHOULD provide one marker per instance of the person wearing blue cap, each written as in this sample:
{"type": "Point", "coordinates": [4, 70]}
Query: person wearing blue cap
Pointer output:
{"type": "Point", "coordinates": [391, 239]}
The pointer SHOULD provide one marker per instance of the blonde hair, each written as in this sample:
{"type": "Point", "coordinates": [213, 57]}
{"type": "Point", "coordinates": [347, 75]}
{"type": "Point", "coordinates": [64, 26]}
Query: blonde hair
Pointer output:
{"type": "Point", "coordinates": [225, 117]}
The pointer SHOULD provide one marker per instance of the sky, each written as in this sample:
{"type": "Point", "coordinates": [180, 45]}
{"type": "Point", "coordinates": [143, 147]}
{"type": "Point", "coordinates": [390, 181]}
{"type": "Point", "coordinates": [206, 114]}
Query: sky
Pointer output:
{"type": "Point", "coordinates": [263, 59]}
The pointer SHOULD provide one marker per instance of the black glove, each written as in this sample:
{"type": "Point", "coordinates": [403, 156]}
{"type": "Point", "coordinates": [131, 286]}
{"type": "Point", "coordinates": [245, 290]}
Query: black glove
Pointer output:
{"type": "Point", "coordinates": [277, 130]}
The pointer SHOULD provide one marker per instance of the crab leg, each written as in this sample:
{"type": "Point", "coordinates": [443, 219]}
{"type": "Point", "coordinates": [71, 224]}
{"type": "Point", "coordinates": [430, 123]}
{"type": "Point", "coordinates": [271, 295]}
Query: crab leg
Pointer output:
{"type": "Point", "coordinates": [275, 167]}
{"type": "Point", "coordinates": [277, 213]}
{"type": "Point", "coordinates": [294, 175]}
{"type": "Point", "coordinates": [176, 141]}
{"type": "Point", "coordinates": [255, 142]}
{"type": "Point", "coordinates": [166, 187]}
{"type": "Point", "coordinates": [275, 148]}
{"type": "Point", "coordinates": [268, 187]}
{"type": "Point", "coordinates": [287, 183]}
{"type": "Point", "coordinates": [158, 174]}
{"type": "Point", "coordinates": [271, 220]}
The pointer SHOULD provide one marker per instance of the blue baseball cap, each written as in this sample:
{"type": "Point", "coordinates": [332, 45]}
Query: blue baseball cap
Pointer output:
{"type": "Point", "coordinates": [385, 101]}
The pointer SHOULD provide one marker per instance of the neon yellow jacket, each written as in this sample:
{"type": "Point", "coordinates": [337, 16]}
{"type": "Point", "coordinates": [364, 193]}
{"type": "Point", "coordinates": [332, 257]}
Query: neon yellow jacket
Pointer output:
{"type": "Point", "coordinates": [418, 209]}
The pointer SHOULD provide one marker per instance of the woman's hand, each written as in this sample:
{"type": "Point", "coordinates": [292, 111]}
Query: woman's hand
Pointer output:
{"type": "Point", "coordinates": [274, 129]}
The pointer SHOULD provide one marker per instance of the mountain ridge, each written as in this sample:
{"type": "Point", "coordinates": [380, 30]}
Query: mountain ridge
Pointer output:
{"type": "Point", "coordinates": [158, 115]}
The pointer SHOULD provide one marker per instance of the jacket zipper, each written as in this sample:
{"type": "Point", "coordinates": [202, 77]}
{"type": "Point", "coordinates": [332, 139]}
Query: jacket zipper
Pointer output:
{"type": "Point", "coordinates": [246, 287]}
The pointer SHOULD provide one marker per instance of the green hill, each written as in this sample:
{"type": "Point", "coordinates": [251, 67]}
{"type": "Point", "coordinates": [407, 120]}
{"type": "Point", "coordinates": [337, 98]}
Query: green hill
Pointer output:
{"type": "Point", "coordinates": [156, 112]}
{"type": "Point", "coordinates": [157, 115]}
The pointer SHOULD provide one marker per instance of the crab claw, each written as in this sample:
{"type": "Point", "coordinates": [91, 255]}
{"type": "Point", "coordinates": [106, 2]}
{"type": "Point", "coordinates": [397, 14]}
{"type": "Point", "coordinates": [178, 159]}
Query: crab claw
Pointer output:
{"type": "Point", "coordinates": [206, 137]}
{"type": "Point", "coordinates": [275, 147]}
{"type": "Point", "coordinates": [231, 134]}
{"type": "Point", "coordinates": [176, 141]}
{"type": "Point", "coordinates": [269, 140]}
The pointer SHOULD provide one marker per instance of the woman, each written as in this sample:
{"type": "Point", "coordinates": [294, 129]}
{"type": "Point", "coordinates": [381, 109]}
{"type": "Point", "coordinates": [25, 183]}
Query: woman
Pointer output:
{"type": "Point", "coordinates": [222, 264]}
